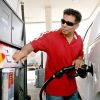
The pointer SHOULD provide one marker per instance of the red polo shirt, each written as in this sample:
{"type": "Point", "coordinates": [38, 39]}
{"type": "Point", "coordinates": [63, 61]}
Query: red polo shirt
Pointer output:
{"type": "Point", "coordinates": [59, 54]}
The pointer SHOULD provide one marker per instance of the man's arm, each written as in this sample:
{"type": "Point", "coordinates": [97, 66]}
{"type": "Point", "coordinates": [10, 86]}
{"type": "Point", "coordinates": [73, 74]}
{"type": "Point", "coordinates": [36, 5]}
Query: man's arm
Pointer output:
{"type": "Point", "coordinates": [19, 55]}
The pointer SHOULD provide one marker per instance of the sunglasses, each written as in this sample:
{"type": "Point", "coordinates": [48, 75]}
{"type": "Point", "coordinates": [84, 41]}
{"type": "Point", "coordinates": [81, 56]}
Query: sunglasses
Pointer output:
{"type": "Point", "coordinates": [67, 22]}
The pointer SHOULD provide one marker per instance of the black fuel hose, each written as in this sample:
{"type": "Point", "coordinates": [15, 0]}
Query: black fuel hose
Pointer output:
{"type": "Point", "coordinates": [58, 74]}
{"type": "Point", "coordinates": [82, 72]}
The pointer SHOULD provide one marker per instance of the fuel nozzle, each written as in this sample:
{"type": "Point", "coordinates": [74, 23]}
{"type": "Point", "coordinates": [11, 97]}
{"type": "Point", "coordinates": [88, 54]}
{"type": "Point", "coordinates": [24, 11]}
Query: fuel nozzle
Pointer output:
{"type": "Point", "coordinates": [82, 72]}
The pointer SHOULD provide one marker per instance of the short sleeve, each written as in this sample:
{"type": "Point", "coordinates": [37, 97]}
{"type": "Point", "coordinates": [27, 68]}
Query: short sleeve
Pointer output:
{"type": "Point", "coordinates": [40, 44]}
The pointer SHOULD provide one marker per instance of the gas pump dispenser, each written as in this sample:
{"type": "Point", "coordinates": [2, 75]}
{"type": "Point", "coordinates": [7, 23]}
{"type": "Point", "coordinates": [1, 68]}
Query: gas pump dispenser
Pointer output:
{"type": "Point", "coordinates": [13, 76]}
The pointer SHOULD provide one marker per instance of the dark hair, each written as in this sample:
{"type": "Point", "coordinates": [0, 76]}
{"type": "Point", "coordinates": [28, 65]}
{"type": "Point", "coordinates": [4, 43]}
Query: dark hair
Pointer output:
{"type": "Point", "coordinates": [73, 12]}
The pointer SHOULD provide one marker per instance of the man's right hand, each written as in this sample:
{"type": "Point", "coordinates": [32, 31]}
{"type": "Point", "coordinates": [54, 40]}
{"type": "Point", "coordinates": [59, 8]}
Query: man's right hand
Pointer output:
{"type": "Point", "coordinates": [22, 54]}
{"type": "Point", "coordinates": [19, 56]}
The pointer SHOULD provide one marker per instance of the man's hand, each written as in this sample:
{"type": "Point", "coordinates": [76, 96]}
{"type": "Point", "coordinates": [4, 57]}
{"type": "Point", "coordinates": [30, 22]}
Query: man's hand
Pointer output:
{"type": "Point", "coordinates": [19, 56]}
{"type": "Point", "coordinates": [78, 62]}
{"type": "Point", "coordinates": [22, 54]}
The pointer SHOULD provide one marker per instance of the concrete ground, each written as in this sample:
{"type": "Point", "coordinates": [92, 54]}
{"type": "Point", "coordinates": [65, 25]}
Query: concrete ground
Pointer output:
{"type": "Point", "coordinates": [32, 90]}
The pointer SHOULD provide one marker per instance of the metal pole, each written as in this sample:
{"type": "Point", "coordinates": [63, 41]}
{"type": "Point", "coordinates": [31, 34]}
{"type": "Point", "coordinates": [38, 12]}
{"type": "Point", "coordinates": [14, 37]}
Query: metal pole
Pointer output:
{"type": "Point", "coordinates": [24, 39]}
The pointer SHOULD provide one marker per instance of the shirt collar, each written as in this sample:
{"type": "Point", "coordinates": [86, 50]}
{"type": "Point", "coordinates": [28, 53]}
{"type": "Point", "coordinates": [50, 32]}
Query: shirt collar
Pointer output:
{"type": "Point", "coordinates": [75, 36]}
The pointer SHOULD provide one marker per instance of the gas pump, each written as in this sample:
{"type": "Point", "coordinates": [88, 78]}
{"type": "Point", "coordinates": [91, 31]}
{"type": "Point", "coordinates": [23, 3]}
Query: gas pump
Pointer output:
{"type": "Point", "coordinates": [13, 76]}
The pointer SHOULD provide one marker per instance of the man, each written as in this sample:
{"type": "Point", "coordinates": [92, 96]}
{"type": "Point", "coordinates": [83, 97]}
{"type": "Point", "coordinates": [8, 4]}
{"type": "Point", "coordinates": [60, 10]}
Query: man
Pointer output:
{"type": "Point", "coordinates": [64, 47]}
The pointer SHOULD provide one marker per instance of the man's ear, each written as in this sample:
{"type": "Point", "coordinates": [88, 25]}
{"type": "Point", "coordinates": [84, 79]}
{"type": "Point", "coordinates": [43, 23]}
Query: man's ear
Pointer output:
{"type": "Point", "coordinates": [76, 26]}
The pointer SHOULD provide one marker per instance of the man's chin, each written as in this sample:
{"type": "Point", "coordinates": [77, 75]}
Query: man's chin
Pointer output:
{"type": "Point", "coordinates": [64, 32]}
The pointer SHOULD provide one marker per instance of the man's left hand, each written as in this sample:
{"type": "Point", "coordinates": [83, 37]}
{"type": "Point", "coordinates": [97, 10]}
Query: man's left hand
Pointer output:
{"type": "Point", "coordinates": [78, 63]}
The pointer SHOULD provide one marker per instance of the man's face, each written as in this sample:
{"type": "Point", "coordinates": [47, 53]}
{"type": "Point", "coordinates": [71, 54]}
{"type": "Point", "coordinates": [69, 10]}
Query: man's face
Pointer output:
{"type": "Point", "coordinates": [68, 24]}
